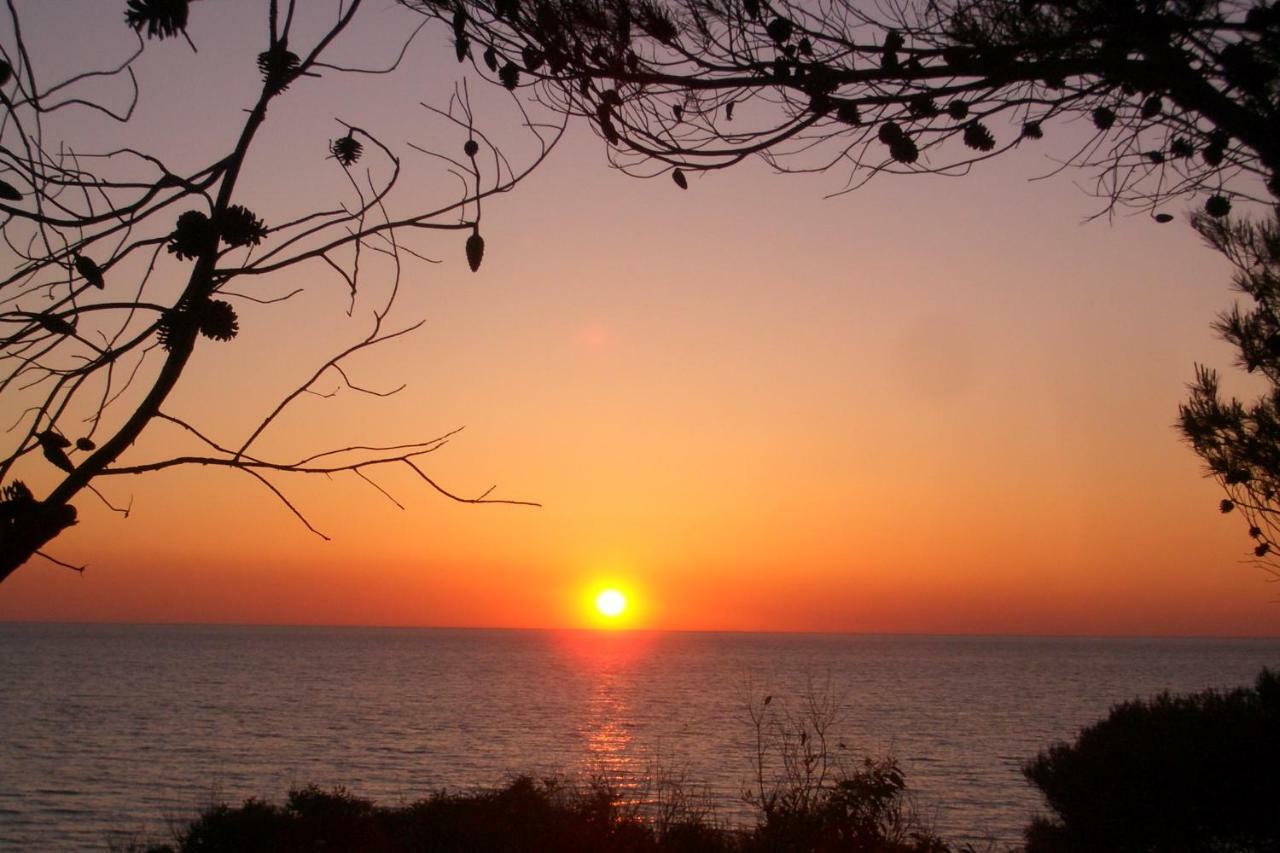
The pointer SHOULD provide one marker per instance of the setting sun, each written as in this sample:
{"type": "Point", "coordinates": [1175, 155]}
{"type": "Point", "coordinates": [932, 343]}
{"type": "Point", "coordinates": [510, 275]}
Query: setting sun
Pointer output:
{"type": "Point", "coordinates": [611, 603]}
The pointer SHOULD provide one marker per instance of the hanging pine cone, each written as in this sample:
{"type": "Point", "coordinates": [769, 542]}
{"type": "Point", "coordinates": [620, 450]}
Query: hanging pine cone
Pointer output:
{"type": "Point", "coordinates": [9, 192]}
{"type": "Point", "coordinates": [54, 323]}
{"type": "Point", "coordinates": [85, 443]}
{"type": "Point", "coordinates": [1226, 505]}
{"type": "Point", "coordinates": [904, 150]}
{"type": "Point", "coordinates": [54, 447]}
{"type": "Point", "coordinates": [278, 67]}
{"type": "Point", "coordinates": [681, 181]}
{"type": "Point", "coordinates": [1104, 118]}
{"type": "Point", "coordinates": [1262, 550]}
{"type": "Point", "coordinates": [162, 18]}
{"type": "Point", "coordinates": [1217, 206]}
{"type": "Point", "coordinates": [533, 58]}
{"type": "Point", "coordinates": [239, 227]}
{"type": "Point", "coordinates": [491, 59]}
{"type": "Point", "coordinates": [958, 110]}
{"type": "Point", "coordinates": [889, 132]}
{"type": "Point", "coordinates": [49, 438]}
{"type": "Point", "coordinates": [1181, 148]}
{"type": "Point", "coordinates": [820, 103]}
{"type": "Point", "coordinates": [193, 235]}
{"type": "Point", "coordinates": [6, 72]}
{"type": "Point", "coordinates": [171, 325]}
{"type": "Point", "coordinates": [849, 114]}
{"type": "Point", "coordinates": [475, 251]}
{"type": "Point", "coordinates": [218, 320]}
{"type": "Point", "coordinates": [779, 29]}
{"type": "Point", "coordinates": [346, 150]}
{"type": "Point", "coordinates": [1032, 130]}
{"type": "Point", "coordinates": [977, 137]}
{"type": "Point", "coordinates": [89, 271]}
{"type": "Point", "coordinates": [609, 132]}
{"type": "Point", "coordinates": [1152, 107]}
{"type": "Point", "coordinates": [509, 74]}
{"type": "Point", "coordinates": [922, 106]}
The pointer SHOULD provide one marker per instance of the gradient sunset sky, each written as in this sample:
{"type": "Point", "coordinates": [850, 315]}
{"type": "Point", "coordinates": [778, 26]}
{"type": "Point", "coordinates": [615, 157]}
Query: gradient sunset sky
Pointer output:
{"type": "Point", "coordinates": [933, 405]}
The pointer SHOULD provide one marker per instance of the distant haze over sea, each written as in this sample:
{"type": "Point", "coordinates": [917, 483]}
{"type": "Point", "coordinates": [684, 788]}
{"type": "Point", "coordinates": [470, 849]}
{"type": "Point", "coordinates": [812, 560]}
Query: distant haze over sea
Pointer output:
{"type": "Point", "coordinates": [116, 728]}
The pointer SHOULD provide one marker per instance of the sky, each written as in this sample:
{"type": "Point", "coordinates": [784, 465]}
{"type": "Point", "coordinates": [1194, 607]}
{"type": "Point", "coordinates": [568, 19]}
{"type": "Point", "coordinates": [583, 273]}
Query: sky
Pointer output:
{"type": "Point", "coordinates": [939, 405]}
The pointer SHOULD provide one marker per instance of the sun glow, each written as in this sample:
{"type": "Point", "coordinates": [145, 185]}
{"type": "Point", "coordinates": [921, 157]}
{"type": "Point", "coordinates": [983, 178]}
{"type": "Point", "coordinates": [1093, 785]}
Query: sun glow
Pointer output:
{"type": "Point", "coordinates": [611, 603]}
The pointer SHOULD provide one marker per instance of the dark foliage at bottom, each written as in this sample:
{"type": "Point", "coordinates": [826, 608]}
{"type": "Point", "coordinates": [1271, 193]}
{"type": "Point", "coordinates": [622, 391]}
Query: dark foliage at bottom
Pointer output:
{"type": "Point", "coordinates": [547, 816]}
{"type": "Point", "coordinates": [1181, 774]}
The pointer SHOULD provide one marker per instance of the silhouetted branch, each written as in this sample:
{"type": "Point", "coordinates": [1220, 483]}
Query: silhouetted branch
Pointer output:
{"type": "Point", "coordinates": [482, 499]}
{"type": "Point", "coordinates": [1178, 97]}
{"type": "Point", "coordinates": [123, 266]}
{"type": "Point", "coordinates": [57, 562]}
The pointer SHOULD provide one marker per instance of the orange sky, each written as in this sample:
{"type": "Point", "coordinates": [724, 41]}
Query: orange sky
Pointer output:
{"type": "Point", "coordinates": [935, 405]}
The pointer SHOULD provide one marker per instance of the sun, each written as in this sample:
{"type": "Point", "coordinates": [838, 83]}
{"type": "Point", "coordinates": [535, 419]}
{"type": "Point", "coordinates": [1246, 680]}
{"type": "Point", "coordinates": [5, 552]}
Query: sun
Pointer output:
{"type": "Point", "coordinates": [611, 603]}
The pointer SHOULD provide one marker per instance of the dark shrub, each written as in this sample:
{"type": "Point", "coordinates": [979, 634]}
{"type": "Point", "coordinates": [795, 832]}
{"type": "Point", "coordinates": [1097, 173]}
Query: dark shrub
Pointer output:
{"type": "Point", "coordinates": [255, 827]}
{"type": "Point", "coordinates": [332, 820]}
{"type": "Point", "coordinates": [1177, 773]}
{"type": "Point", "coordinates": [865, 811]}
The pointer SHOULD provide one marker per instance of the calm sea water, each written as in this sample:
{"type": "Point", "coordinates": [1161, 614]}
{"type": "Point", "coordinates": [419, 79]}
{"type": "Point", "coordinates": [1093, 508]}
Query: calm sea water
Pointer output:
{"type": "Point", "coordinates": [114, 731]}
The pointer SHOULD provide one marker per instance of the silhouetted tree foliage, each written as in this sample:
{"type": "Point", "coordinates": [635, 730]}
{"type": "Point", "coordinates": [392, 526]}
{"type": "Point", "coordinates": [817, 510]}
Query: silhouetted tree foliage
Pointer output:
{"type": "Point", "coordinates": [810, 797]}
{"type": "Point", "coordinates": [551, 816]}
{"type": "Point", "coordinates": [1179, 95]}
{"type": "Point", "coordinates": [1158, 99]}
{"type": "Point", "coordinates": [865, 809]}
{"type": "Point", "coordinates": [1240, 442]}
{"type": "Point", "coordinates": [121, 266]}
{"type": "Point", "coordinates": [1176, 774]}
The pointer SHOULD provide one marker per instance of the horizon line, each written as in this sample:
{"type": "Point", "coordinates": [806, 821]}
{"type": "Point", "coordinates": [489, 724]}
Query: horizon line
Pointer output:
{"type": "Point", "coordinates": [638, 630]}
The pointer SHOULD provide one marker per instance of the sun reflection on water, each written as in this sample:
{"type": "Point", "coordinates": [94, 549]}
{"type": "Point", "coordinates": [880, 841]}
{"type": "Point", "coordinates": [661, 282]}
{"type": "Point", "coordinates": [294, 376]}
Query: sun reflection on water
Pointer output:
{"type": "Point", "coordinates": [606, 661]}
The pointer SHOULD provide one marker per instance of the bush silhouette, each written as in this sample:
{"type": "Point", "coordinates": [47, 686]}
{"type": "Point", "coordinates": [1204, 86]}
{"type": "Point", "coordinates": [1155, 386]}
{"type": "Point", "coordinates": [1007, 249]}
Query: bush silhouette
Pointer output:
{"type": "Point", "coordinates": [1176, 773]}
{"type": "Point", "coordinates": [864, 811]}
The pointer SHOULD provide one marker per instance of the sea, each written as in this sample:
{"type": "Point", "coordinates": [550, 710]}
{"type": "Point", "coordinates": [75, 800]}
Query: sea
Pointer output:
{"type": "Point", "coordinates": [111, 734]}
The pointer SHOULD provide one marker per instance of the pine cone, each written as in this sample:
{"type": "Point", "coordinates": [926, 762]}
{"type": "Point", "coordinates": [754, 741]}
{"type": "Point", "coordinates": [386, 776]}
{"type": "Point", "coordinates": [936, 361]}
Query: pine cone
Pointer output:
{"type": "Point", "coordinates": [346, 149]}
{"type": "Point", "coordinates": [1217, 206]}
{"type": "Point", "coordinates": [218, 320]}
{"type": "Point", "coordinates": [475, 251]}
{"type": "Point", "coordinates": [192, 236]}
{"type": "Point", "coordinates": [239, 227]}
{"type": "Point", "coordinates": [278, 68]}
{"type": "Point", "coordinates": [977, 137]}
{"type": "Point", "coordinates": [162, 18]}
{"type": "Point", "coordinates": [509, 74]}
{"type": "Point", "coordinates": [89, 271]}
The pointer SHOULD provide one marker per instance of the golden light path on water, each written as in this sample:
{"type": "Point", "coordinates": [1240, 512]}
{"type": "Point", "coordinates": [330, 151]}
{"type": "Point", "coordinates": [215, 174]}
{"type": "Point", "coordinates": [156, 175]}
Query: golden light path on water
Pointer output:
{"type": "Point", "coordinates": [607, 658]}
